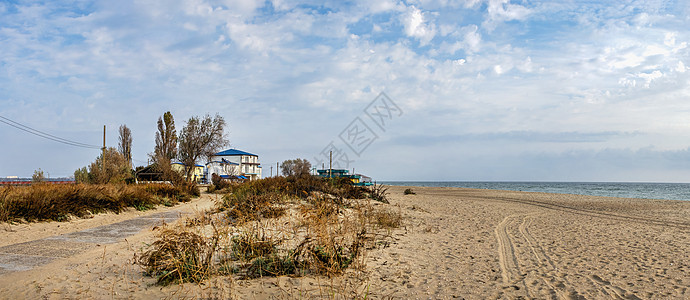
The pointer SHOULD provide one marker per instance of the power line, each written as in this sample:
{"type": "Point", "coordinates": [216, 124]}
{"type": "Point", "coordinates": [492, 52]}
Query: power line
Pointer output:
{"type": "Point", "coordinates": [45, 135]}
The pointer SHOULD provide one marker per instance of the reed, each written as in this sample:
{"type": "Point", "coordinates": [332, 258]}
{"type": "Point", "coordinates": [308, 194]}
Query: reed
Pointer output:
{"type": "Point", "coordinates": [42, 202]}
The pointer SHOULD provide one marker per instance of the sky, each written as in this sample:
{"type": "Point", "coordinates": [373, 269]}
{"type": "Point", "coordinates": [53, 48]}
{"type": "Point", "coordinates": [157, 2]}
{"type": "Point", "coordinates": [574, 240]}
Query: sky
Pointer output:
{"type": "Point", "coordinates": [433, 90]}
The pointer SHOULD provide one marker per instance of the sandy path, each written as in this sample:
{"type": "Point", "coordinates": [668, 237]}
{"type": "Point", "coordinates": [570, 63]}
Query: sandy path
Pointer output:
{"type": "Point", "coordinates": [73, 259]}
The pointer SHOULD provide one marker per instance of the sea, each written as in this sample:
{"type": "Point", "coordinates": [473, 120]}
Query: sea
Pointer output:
{"type": "Point", "coordinates": [668, 191]}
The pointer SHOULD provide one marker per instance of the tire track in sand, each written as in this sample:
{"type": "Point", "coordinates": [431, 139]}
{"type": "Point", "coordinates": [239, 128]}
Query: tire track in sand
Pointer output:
{"type": "Point", "coordinates": [591, 212]}
{"type": "Point", "coordinates": [548, 272]}
{"type": "Point", "coordinates": [506, 251]}
{"type": "Point", "coordinates": [544, 267]}
{"type": "Point", "coordinates": [510, 270]}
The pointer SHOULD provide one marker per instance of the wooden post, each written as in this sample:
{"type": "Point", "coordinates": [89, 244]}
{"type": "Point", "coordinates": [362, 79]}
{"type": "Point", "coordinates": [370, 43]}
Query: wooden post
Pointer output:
{"type": "Point", "coordinates": [103, 151]}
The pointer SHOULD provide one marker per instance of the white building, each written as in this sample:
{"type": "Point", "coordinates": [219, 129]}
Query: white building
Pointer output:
{"type": "Point", "coordinates": [233, 162]}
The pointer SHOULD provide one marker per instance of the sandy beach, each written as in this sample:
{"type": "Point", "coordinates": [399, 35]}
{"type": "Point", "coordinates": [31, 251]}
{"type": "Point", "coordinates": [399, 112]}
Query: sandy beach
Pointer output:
{"type": "Point", "coordinates": [454, 243]}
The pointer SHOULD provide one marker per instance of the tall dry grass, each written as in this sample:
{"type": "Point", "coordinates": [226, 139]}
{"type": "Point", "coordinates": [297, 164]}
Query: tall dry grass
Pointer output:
{"type": "Point", "coordinates": [58, 202]}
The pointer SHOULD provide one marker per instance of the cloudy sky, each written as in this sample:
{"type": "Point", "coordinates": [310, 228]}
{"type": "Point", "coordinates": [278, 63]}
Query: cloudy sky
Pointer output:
{"type": "Point", "coordinates": [400, 90]}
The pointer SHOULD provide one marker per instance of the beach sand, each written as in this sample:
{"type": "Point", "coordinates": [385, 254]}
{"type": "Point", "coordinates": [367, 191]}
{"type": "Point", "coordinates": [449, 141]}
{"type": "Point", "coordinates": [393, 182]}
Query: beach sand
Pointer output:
{"type": "Point", "coordinates": [454, 243]}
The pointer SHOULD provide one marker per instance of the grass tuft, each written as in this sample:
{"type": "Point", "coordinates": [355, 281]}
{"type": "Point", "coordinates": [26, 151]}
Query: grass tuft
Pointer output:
{"type": "Point", "coordinates": [180, 254]}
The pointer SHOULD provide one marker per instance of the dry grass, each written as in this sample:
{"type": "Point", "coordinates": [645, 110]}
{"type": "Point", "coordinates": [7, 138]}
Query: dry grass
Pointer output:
{"type": "Point", "coordinates": [274, 227]}
{"type": "Point", "coordinates": [59, 202]}
{"type": "Point", "coordinates": [387, 219]}
{"type": "Point", "coordinates": [181, 254]}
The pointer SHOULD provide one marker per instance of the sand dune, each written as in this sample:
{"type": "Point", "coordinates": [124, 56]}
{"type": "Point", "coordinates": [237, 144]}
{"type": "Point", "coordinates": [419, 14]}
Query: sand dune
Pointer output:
{"type": "Point", "coordinates": [455, 243]}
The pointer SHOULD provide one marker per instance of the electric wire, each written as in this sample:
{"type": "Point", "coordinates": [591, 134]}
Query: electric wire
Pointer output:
{"type": "Point", "coordinates": [45, 135]}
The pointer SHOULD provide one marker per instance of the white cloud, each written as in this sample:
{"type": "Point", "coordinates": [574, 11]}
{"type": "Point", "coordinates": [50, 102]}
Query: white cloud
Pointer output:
{"type": "Point", "coordinates": [502, 11]}
{"type": "Point", "coordinates": [649, 77]}
{"type": "Point", "coordinates": [470, 43]}
{"type": "Point", "coordinates": [381, 6]}
{"type": "Point", "coordinates": [244, 7]}
{"type": "Point", "coordinates": [417, 26]}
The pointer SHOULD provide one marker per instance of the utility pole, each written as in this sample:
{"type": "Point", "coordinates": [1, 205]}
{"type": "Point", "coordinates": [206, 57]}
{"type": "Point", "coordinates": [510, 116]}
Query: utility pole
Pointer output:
{"type": "Point", "coordinates": [330, 163]}
{"type": "Point", "coordinates": [277, 169]}
{"type": "Point", "coordinates": [271, 170]}
{"type": "Point", "coordinates": [103, 151]}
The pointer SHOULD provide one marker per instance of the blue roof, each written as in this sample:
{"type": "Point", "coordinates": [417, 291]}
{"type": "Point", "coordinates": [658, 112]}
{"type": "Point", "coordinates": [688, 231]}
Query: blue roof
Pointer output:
{"type": "Point", "coordinates": [231, 152]}
{"type": "Point", "coordinates": [223, 162]}
{"type": "Point", "coordinates": [232, 176]}
{"type": "Point", "coordinates": [179, 163]}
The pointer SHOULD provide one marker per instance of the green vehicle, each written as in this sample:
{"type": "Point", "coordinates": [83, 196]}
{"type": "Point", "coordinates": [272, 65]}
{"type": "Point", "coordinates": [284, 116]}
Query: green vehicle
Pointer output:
{"type": "Point", "coordinates": [357, 179]}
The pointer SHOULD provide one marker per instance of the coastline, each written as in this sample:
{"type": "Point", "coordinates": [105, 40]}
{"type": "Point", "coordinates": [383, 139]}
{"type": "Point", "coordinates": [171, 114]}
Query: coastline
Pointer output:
{"type": "Point", "coordinates": [454, 242]}
{"type": "Point", "coordinates": [638, 190]}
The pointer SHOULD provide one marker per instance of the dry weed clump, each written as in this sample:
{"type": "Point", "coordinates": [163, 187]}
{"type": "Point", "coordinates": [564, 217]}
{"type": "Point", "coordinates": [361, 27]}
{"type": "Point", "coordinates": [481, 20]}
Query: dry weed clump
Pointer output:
{"type": "Point", "coordinates": [58, 202]}
{"type": "Point", "coordinates": [181, 254]}
{"type": "Point", "coordinates": [244, 206]}
{"type": "Point", "coordinates": [386, 218]}
{"type": "Point", "coordinates": [248, 246]}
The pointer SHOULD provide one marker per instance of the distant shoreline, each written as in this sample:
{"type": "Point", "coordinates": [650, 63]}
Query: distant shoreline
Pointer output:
{"type": "Point", "coordinates": [638, 190]}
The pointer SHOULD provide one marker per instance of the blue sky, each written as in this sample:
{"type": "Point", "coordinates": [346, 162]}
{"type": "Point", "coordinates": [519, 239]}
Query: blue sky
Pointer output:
{"type": "Point", "coordinates": [484, 89]}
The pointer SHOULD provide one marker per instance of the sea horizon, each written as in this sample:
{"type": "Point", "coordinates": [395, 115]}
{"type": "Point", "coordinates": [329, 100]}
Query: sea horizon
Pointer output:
{"type": "Point", "coordinates": [639, 190]}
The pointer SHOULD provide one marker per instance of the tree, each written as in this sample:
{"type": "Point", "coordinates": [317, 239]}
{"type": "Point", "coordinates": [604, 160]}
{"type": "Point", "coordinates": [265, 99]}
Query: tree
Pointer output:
{"type": "Point", "coordinates": [115, 170]}
{"type": "Point", "coordinates": [200, 138]}
{"type": "Point", "coordinates": [125, 143]}
{"type": "Point", "coordinates": [38, 176]}
{"type": "Point", "coordinates": [166, 140]}
{"type": "Point", "coordinates": [81, 175]}
{"type": "Point", "coordinates": [296, 167]}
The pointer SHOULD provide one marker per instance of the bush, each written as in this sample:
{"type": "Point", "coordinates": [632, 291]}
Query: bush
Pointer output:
{"type": "Point", "coordinates": [218, 183]}
{"type": "Point", "coordinates": [244, 205]}
{"type": "Point", "coordinates": [409, 191]}
{"type": "Point", "coordinates": [116, 169]}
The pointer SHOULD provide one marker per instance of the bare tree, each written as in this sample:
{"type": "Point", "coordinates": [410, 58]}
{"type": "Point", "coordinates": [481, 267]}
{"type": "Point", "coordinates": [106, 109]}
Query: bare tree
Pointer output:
{"type": "Point", "coordinates": [296, 167]}
{"type": "Point", "coordinates": [125, 143]}
{"type": "Point", "coordinates": [166, 140]}
{"type": "Point", "coordinates": [201, 138]}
